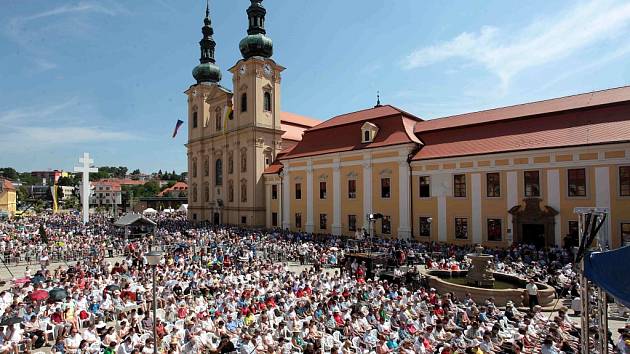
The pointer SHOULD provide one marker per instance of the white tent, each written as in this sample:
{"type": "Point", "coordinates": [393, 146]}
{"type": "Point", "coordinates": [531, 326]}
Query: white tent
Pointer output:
{"type": "Point", "coordinates": [183, 207]}
{"type": "Point", "coordinates": [168, 210]}
{"type": "Point", "coordinates": [149, 211]}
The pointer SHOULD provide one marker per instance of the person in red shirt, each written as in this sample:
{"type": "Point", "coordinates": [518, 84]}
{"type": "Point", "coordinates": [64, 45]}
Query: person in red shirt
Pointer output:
{"type": "Point", "coordinates": [338, 319]}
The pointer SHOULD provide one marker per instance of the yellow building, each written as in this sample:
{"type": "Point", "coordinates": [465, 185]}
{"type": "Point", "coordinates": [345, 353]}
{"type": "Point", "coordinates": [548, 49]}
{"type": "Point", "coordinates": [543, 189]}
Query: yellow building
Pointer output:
{"type": "Point", "coordinates": [512, 174]}
{"type": "Point", "coordinates": [8, 197]}
{"type": "Point", "coordinates": [234, 135]}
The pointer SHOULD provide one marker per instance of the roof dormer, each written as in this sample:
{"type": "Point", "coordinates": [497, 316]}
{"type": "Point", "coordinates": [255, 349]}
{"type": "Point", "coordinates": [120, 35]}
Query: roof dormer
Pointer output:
{"type": "Point", "coordinates": [368, 132]}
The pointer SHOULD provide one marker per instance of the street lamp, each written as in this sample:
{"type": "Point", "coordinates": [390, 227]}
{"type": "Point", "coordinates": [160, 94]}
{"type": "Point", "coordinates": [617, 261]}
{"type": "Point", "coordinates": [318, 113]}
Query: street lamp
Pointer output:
{"type": "Point", "coordinates": [153, 259]}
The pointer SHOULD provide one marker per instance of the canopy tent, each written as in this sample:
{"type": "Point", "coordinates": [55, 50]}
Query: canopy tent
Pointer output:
{"type": "Point", "coordinates": [183, 207]}
{"type": "Point", "coordinates": [135, 225]}
{"type": "Point", "coordinates": [600, 268]}
{"type": "Point", "coordinates": [168, 210]}
{"type": "Point", "coordinates": [149, 211]}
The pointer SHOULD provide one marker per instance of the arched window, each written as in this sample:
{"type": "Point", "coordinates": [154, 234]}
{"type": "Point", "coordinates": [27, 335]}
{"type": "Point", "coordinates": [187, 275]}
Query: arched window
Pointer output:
{"type": "Point", "coordinates": [243, 191]}
{"type": "Point", "coordinates": [230, 163]}
{"type": "Point", "coordinates": [243, 161]}
{"type": "Point", "coordinates": [244, 102]}
{"type": "Point", "coordinates": [218, 123]}
{"type": "Point", "coordinates": [206, 168]}
{"type": "Point", "coordinates": [194, 193]}
{"type": "Point", "coordinates": [267, 99]}
{"type": "Point", "coordinates": [194, 122]}
{"type": "Point", "coordinates": [194, 167]}
{"type": "Point", "coordinates": [218, 172]}
{"type": "Point", "coordinates": [366, 135]}
{"type": "Point", "coordinates": [206, 192]}
{"type": "Point", "coordinates": [230, 191]}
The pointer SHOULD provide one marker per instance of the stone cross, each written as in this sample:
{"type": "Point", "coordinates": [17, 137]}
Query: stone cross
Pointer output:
{"type": "Point", "coordinates": [85, 169]}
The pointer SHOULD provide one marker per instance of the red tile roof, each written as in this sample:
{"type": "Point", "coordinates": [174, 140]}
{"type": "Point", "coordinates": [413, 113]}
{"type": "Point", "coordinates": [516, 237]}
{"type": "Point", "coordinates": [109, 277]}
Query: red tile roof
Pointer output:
{"type": "Point", "coordinates": [343, 133]}
{"type": "Point", "coordinates": [178, 186]}
{"type": "Point", "coordinates": [6, 185]}
{"type": "Point", "coordinates": [295, 119]}
{"type": "Point", "coordinates": [363, 115]}
{"type": "Point", "coordinates": [596, 98]}
{"type": "Point", "coordinates": [597, 125]}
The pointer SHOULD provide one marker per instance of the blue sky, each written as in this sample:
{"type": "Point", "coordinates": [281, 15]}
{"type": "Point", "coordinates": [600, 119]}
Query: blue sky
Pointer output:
{"type": "Point", "coordinates": [108, 76]}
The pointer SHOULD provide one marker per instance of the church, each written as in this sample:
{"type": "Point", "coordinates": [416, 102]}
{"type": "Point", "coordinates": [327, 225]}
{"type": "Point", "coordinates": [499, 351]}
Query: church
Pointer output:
{"type": "Point", "coordinates": [504, 175]}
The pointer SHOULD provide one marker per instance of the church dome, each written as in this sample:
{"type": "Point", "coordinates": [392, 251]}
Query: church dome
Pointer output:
{"type": "Point", "coordinates": [207, 72]}
{"type": "Point", "coordinates": [256, 45]}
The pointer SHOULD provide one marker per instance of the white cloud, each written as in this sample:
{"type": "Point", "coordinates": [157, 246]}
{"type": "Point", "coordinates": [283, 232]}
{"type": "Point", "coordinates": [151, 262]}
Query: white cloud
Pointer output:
{"type": "Point", "coordinates": [507, 54]}
{"type": "Point", "coordinates": [54, 125]}
{"type": "Point", "coordinates": [65, 19]}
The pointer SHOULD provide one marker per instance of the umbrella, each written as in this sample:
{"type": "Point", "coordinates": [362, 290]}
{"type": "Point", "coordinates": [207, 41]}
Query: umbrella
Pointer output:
{"type": "Point", "coordinates": [20, 281]}
{"type": "Point", "coordinates": [58, 294]}
{"type": "Point", "coordinates": [37, 278]}
{"type": "Point", "coordinates": [11, 321]}
{"type": "Point", "coordinates": [39, 295]}
{"type": "Point", "coordinates": [112, 287]}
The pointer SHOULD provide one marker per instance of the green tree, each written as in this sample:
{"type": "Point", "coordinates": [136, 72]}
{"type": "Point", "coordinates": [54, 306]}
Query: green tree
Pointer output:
{"type": "Point", "coordinates": [67, 181]}
{"type": "Point", "coordinates": [9, 172]}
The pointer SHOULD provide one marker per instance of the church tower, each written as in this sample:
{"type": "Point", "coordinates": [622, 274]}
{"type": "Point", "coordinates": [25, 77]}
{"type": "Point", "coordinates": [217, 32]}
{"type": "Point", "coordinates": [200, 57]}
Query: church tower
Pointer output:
{"type": "Point", "coordinates": [233, 136]}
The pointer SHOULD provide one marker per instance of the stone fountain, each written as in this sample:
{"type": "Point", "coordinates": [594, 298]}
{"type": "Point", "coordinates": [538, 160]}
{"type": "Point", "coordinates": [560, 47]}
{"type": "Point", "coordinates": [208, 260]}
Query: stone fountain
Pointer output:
{"type": "Point", "coordinates": [480, 272]}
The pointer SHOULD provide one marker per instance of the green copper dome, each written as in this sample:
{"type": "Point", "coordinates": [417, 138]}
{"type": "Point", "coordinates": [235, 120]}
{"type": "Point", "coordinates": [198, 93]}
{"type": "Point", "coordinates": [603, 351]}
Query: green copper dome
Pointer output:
{"type": "Point", "coordinates": [256, 45]}
{"type": "Point", "coordinates": [207, 72]}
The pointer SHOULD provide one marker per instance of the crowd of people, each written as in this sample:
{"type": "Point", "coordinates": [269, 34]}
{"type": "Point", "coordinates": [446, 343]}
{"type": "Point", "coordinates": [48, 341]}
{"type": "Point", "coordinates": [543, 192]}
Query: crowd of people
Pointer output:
{"type": "Point", "coordinates": [226, 289]}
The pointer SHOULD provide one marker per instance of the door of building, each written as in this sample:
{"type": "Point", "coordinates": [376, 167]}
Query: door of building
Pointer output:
{"type": "Point", "coordinates": [216, 219]}
{"type": "Point", "coordinates": [534, 234]}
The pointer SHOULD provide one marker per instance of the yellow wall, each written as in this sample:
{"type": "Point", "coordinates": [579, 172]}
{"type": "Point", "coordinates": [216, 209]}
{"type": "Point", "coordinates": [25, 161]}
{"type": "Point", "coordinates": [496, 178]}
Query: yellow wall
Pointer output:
{"type": "Point", "coordinates": [351, 206]}
{"type": "Point", "coordinates": [423, 207]}
{"type": "Point", "coordinates": [385, 206]}
{"type": "Point", "coordinates": [8, 201]}
{"type": "Point", "coordinates": [322, 206]}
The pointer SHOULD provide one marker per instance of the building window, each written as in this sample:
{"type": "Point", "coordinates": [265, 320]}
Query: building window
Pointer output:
{"type": "Point", "coordinates": [274, 191]}
{"type": "Point", "coordinates": [385, 188]}
{"type": "Point", "coordinates": [230, 163]}
{"type": "Point", "coordinates": [366, 136]}
{"type": "Point", "coordinates": [352, 223]}
{"type": "Point", "coordinates": [322, 190]}
{"type": "Point", "coordinates": [244, 102]}
{"type": "Point", "coordinates": [230, 191]}
{"type": "Point", "coordinates": [577, 182]}
{"type": "Point", "coordinates": [495, 232]}
{"type": "Point", "coordinates": [425, 186]}
{"type": "Point", "coordinates": [386, 225]}
{"type": "Point", "coordinates": [218, 122]}
{"type": "Point", "coordinates": [267, 101]}
{"type": "Point", "coordinates": [274, 219]}
{"type": "Point", "coordinates": [194, 119]}
{"type": "Point", "coordinates": [322, 221]}
{"type": "Point", "coordinates": [624, 181]}
{"type": "Point", "coordinates": [243, 219]}
{"type": "Point", "coordinates": [532, 183]}
{"type": "Point", "coordinates": [243, 192]}
{"type": "Point", "coordinates": [625, 233]}
{"type": "Point", "coordinates": [298, 191]}
{"type": "Point", "coordinates": [461, 228]}
{"type": "Point", "coordinates": [206, 167]}
{"type": "Point", "coordinates": [352, 189]}
{"type": "Point", "coordinates": [298, 220]}
{"type": "Point", "coordinates": [218, 172]}
{"type": "Point", "coordinates": [206, 193]}
{"type": "Point", "coordinates": [194, 193]}
{"type": "Point", "coordinates": [243, 161]}
{"type": "Point", "coordinates": [194, 216]}
{"type": "Point", "coordinates": [194, 167]}
{"type": "Point", "coordinates": [493, 185]}
{"type": "Point", "coordinates": [425, 226]}
{"type": "Point", "coordinates": [459, 186]}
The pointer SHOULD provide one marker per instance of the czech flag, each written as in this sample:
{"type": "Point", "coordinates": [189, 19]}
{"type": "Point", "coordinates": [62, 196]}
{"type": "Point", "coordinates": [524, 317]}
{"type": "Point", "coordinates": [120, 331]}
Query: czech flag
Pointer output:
{"type": "Point", "coordinates": [177, 125]}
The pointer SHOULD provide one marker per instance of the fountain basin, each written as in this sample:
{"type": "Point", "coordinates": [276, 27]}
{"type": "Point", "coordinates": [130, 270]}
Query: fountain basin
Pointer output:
{"type": "Point", "coordinates": [507, 287]}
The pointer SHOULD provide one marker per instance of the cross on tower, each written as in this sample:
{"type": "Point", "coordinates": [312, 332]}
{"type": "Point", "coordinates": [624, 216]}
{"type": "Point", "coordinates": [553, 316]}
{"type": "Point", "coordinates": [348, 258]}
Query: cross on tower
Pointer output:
{"type": "Point", "coordinates": [85, 187]}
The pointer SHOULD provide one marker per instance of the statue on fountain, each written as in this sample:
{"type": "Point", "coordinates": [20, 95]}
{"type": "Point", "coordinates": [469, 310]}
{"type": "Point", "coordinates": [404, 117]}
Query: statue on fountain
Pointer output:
{"type": "Point", "coordinates": [480, 272]}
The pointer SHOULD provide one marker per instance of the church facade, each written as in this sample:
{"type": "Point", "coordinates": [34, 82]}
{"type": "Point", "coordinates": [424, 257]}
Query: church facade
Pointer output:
{"type": "Point", "coordinates": [511, 174]}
